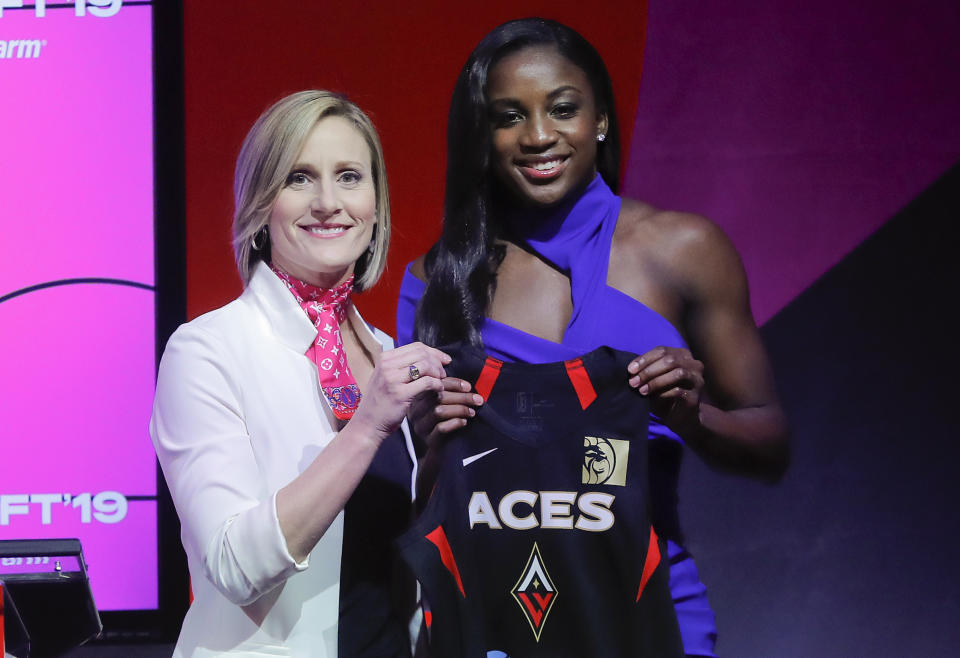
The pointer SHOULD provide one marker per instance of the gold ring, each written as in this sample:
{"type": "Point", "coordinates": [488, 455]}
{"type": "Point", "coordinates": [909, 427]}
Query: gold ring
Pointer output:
{"type": "Point", "coordinates": [414, 373]}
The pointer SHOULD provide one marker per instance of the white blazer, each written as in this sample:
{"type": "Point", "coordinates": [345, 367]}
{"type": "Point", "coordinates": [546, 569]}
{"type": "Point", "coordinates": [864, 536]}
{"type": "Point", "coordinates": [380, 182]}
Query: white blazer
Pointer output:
{"type": "Point", "coordinates": [238, 414]}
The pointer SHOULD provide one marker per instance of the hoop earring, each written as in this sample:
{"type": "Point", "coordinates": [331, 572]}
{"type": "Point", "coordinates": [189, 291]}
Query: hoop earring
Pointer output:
{"type": "Point", "coordinates": [262, 233]}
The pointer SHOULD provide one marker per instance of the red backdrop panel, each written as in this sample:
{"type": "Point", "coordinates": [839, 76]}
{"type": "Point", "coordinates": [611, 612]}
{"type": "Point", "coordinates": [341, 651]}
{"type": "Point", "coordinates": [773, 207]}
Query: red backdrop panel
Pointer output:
{"type": "Point", "coordinates": [398, 61]}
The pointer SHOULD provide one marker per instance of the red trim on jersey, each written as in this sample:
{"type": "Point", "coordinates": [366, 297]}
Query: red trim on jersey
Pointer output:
{"type": "Point", "coordinates": [488, 376]}
{"type": "Point", "coordinates": [581, 382]}
{"type": "Point", "coordinates": [439, 539]}
{"type": "Point", "coordinates": [651, 561]}
{"type": "Point", "coordinates": [428, 618]}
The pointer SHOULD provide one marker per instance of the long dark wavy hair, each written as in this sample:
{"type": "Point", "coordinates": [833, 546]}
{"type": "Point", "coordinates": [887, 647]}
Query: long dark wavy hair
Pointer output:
{"type": "Point", "coordinates": [461, 266]}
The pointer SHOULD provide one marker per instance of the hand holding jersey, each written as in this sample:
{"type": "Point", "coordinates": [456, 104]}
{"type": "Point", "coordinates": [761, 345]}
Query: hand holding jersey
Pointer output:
{"type": "Point", "coordinates": [433, 416]}
{"type": "Point", "coordinates": [671, 377]}
{"type": "Point", "coordinates": [673, 380]}
{"type": "Point", "coordinates": [436, 413]}
{"type": "Point", "coordinates": [391, 389]}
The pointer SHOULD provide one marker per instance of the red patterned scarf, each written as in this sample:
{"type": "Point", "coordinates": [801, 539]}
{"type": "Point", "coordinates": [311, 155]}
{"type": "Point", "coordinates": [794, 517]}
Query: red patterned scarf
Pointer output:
{"type": "Point", "coordinates": [327, 309]}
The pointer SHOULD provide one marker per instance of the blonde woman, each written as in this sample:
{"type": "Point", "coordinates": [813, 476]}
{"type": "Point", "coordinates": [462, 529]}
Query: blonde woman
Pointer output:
{"type": "Point", "coordinates": [279, 418]}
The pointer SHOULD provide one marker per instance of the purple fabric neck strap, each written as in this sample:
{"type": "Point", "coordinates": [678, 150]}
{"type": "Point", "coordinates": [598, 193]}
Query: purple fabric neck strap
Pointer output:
{"type": "Point", "coordinates": [561, 234]}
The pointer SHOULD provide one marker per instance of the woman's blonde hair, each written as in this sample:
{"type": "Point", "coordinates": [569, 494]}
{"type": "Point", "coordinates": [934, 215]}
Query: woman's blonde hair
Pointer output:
{"type": "Point", "coordinates": [268, 154]}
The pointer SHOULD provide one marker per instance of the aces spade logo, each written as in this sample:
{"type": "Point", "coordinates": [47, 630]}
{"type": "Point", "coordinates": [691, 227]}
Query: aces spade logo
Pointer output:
{"type": "Point", "coordinates": [535, 592]}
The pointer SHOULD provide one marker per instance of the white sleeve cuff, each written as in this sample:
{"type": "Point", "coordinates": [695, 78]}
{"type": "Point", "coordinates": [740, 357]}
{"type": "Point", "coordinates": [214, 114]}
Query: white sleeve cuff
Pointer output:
{"type": "Point", "coordinates": [249, 556]}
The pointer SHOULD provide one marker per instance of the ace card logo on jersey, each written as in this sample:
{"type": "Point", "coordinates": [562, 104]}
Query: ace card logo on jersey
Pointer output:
{"type": "Point", "coordinates": [605, 461]}
{"type": "Point", "coordinates": [535, 592]}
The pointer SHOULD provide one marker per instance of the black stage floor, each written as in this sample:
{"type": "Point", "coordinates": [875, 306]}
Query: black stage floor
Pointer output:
{"type": "Point", "coordinates": [121, 651]}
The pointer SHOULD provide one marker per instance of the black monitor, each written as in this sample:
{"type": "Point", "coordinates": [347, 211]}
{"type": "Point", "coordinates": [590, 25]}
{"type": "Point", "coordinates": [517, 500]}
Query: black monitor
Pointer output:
{"type": "Point", "coordinates": [14, 640]}
{"type": "Point", "coordinates": [46, 580]}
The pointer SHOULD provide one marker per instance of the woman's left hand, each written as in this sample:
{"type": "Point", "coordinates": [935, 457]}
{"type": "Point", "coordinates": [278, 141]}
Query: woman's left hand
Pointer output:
{"type": "Point", "coordinates": [673, 380]}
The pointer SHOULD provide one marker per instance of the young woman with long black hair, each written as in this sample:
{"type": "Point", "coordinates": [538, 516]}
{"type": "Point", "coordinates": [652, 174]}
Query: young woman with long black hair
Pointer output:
{"type": "Point", "coordinates": [539, 261]}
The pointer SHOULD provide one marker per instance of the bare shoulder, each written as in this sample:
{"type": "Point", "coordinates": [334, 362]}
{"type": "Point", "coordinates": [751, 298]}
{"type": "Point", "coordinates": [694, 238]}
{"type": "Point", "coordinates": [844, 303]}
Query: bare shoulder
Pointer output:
{"type": "Point", "coordinates": [643, 227]}
{"type": "Point", "coordinates": [677, 247]}
{"type": "Point", "coordinates": [418, 269]}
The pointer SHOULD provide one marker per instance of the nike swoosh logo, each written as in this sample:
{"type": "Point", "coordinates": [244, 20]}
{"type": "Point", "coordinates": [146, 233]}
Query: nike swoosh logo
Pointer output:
{"type": "Point", "coordinates": [469, 460]}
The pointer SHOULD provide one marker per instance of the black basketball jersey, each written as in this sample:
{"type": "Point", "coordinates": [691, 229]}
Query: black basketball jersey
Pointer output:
{"type": "Point", "coordinates": [536, 540]}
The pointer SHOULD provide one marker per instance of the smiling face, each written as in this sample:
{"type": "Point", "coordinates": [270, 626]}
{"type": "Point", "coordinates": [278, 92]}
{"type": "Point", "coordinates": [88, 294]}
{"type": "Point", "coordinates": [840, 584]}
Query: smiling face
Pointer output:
{"type": "Point", "coordinates": [544, 122]}
{"type": "Point", "coordinates": [322, 221]}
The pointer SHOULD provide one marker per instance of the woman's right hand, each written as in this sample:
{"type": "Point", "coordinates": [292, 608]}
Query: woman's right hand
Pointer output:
{"type": "Point", "coordinates": [391, 389]}
{"type": "Point", "coordinates": [435, 414]}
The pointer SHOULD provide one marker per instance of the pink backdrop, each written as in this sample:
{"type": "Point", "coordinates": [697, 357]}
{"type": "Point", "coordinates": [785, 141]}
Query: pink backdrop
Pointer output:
{"type": "Point", "coordinates": [76, 201]}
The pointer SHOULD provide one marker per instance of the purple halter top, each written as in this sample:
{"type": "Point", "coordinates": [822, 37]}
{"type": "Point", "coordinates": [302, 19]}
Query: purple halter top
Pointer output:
{"type": "Point", "coordinates": [576, 238]}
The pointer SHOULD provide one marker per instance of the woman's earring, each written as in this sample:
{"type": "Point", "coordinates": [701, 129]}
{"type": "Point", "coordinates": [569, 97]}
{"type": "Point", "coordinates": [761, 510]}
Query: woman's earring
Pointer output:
{"type": "Point", "coordinates": [601, 137]}
{"type": "Point", "coordinates": [260, 239]}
